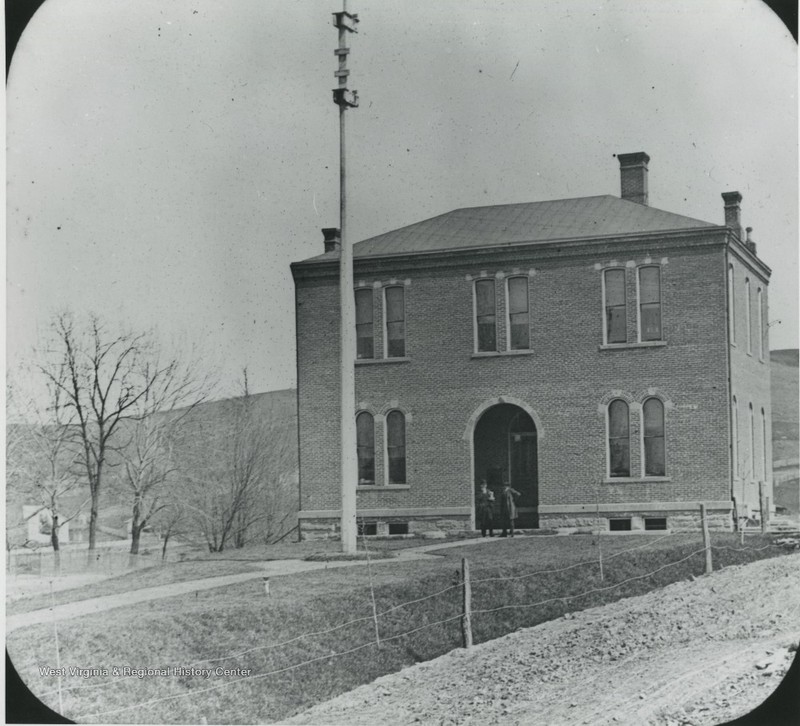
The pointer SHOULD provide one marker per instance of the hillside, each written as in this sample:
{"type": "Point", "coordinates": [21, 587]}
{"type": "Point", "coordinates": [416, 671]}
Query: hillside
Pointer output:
{"type": "Point", "coordinates": [785, 397]}
{"type": "Point", "coordinates": [201, 450]}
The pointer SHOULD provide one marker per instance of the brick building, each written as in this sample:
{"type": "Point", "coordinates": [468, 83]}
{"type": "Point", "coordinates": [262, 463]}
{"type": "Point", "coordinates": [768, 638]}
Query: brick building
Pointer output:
{"type": "Point", "coordinates": [607, 358]}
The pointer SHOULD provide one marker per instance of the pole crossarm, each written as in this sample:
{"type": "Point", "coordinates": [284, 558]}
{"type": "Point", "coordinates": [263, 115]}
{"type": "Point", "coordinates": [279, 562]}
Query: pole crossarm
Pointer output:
{"type": "Point", "coordinates": [345, 21]}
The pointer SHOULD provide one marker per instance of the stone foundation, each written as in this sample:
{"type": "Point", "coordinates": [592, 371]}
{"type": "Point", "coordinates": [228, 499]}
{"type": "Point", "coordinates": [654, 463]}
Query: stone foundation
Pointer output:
{"type": "Point", "coordinates": [432, 527]}
{"type": "Point", "coordinates": [676, 521]}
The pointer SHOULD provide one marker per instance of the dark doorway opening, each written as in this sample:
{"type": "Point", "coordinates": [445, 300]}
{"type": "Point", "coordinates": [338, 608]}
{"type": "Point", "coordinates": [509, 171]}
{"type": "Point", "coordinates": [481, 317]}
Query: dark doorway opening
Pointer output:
{"type": "Point", "coordinates": [506, 449]}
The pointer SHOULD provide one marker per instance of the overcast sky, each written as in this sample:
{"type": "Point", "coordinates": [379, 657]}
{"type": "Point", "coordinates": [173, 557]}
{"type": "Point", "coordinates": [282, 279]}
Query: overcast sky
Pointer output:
{"type": "Point", "coordinates": [167, 161]}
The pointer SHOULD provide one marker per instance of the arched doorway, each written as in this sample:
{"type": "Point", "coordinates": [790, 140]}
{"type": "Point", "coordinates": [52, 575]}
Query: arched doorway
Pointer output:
{"type": "Point", "coordinates": [505, 448]}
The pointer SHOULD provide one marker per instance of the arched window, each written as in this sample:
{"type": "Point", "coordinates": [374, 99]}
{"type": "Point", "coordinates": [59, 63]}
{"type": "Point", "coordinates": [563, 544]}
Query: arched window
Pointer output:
{"type": "Point", "coordinates": [654, 446]}
{"type": "Point", "coordinates": [395, 322]}
{"type": "Point", "coordinates": [396, 447]}
{"type": "Point", "coordinates": [650, 303]}
{"type": "Point", "coordinates": [747, 313]}
{"type": "Point", "coordinates": [619, 439]}
{"type": "Point", "coordinates": [485, 318]}
{"type": "Point", "coordinates": [519, 330]}
{"type": "Point", "coordinates": [764, 441]}
{"type": "Point", "coordinates": [615, 306]}
{"type": "Point", "coordinates": [731, 305]}
{"type": "Point", "coordinates": [752, 468]}
{"type": "Point", "coordinates": [365, 437]}
{"type": "Point", "coordinates": [365, 347]}
{"type": "Point", "coordinates": [735, 436]}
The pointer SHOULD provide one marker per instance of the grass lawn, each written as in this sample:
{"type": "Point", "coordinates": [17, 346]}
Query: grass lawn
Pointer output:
{"type": "Point", "coordinates": [292, 664]}
{"type": "Point", "coordinates": [198, 565]}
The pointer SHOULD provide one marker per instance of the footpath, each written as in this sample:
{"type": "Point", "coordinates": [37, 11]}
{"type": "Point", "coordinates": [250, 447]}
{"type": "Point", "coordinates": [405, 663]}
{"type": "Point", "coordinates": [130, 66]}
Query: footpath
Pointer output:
{"type": "Point", "coordinates": [271, 568]}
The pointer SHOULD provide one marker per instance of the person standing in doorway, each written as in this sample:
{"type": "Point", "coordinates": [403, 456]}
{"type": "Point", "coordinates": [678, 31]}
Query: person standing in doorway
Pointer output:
{"type": "Point", "coordinates": [485, 509]}
{"type": "Point", "coordinates": [508, 508]}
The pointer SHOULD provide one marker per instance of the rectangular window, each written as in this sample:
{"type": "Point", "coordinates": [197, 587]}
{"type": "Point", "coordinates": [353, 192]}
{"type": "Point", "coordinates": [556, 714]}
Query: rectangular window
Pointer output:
{"type": "Point", "coordinates": [485, 319]}
{"type": "Point", "coordinates": [395, 322]}
{"type": "Point", "coordinates": [650, 303]}
{"type": "Point", "coordinates": [620, 524]}
{"type": "Point", "coordinates": [731, 305]}
{"type": "Point", "coordinates": [518, 318]}
{"type": "Point", "coordinates": [747, 313]}
{"type": "Point", "coordinates": [398, 527]}
{"type": "Point", "coordinates": [615, 306]}
{"type": "Point", "coordinates": [655, 523]}
{"type": "Point", "coordinates": [365, 345]}
{"type": "Point", "coordinates": [760, 325]}
{"type": "Point", "coordinates": [367, 529]}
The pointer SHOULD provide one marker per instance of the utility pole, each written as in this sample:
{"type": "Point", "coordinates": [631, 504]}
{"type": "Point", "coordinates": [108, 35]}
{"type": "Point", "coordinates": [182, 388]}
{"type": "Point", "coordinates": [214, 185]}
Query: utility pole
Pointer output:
{"type": "Point", "coordinates": [344, 99]}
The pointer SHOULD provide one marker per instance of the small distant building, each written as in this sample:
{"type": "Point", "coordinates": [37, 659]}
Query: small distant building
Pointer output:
{"type": "Point", "coordinates": [608, 359]}
{"type": "Point", "coordinates": [39, 523]}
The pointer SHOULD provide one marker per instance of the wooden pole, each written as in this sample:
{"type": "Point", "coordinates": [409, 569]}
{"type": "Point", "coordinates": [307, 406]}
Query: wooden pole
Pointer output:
{"type": "Point", "coordinates": [466, 618]}
{"type": "Point", "coordinates": [58, 649]}
{"type": "Point", "coordinates": [347, 330]}
{"type": "Point", "coordinates": [762, 508]}
{"type": "Point", "coordinates": [706, 539]}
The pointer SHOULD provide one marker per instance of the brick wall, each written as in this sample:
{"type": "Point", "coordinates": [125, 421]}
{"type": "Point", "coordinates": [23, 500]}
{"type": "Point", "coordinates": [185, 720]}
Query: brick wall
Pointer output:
{"type": "Point", "coordinates": [565, 380]}
{"type": "Point", "coordinates": [750, 381]}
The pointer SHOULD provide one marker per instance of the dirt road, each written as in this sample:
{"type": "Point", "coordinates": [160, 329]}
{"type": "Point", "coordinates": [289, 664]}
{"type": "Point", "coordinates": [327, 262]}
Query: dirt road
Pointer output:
{"type": "Point", "coordinates": [696, 652]}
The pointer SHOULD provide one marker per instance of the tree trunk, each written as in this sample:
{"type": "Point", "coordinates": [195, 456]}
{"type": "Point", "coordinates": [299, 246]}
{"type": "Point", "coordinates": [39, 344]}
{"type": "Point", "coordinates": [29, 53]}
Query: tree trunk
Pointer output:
{"type": "Point", "coordinates": [136, 528]}
{"type": "Point", "coordinates": [56, 545]}
{"type": "Point", "coordinates": [164, 546]}
{"type": "Point", "coordinates": [93, 520]}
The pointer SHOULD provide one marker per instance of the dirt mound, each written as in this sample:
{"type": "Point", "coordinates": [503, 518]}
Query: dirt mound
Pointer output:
{"type": "Point", "coordinates": [696, 652]}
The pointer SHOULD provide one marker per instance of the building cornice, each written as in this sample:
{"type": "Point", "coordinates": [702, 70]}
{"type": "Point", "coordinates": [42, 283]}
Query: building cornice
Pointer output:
{"type": "Point", "coordinates": [564, 248]}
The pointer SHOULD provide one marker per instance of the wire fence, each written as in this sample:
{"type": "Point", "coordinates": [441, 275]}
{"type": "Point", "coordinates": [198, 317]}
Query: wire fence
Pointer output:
{"type": "Point", "coordinates": [452, 596]}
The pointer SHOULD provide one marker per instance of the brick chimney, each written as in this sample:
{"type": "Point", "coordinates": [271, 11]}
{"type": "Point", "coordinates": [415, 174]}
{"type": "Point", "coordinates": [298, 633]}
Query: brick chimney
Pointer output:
{"type": "Point", "coordinates": [633, 176]}
{"type": "Point", "coordinates": [733, 212]}
{"type": "Point", "coordinates": [333, 238]}
{"type": "Point", "coordinates": [749, 243]}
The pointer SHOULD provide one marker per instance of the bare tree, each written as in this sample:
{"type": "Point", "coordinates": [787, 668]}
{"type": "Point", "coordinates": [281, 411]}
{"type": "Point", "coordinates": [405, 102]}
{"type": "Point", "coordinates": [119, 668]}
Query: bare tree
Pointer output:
{"type": "Point", "coordinates": [148, 440]}
{"type": "Point", "coordinates": [244, 478]}
{"type": "Point", "coordinates": [41, 465]}
{"type": "Point", "coordinates": [105, 379]}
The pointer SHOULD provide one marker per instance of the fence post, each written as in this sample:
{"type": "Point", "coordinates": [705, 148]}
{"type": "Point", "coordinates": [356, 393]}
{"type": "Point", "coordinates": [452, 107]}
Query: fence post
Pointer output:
{"type": "Point", "coordinates": [466, 591]}
{"type": "Point", "coordinates": [706, 539]}
{"type": "Point", "coordinates": [762, 507]}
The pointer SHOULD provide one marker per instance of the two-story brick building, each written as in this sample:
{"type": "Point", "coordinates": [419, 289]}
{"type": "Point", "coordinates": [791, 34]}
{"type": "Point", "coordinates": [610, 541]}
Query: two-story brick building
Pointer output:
{"type": "Point", "coordinates": [607, 358]}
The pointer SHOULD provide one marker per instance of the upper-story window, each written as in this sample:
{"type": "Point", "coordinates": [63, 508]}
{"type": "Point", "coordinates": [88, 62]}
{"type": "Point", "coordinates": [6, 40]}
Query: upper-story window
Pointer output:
{"type": "Point", "coordinates": [395, 315]}
{"type": "Point", "coordinates": [747, 315]}
{"type": "Point", "coordinates": [619, 439]}
{"type": "Point", "coordinates": [519, 331]}
{"type": "Point", "coordinates": [760, 323]}
{"type": "Point", "coordinates": [365, 341]}
{"type": "Point", "coordinates": [485, 317]}
{"type": "Point", "coordinates": [615, 325]}
{"type": "Point", "coordinates": [731, 306]}
{"type": "Point", "coordinates": [396, 447]}
{"type": "Point", "coordinates": [365, 442]}
{"type": "Point", "coordinates": [650, 303]}
{"type": "Point", "coordinates": [653, 436]}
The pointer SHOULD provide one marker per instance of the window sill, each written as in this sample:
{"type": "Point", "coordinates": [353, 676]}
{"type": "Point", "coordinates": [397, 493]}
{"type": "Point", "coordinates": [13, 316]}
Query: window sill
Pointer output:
{"type": "Point", "coordinates": [382, 487]}
{"type": "Point", "coordinates": [636, 479]}
{"type": "Point", "coordinates": [641, 344]}
{"type": "Point", "coordinates": [379, 361]}
{"type": "Point", "coordinates": [500, 353]}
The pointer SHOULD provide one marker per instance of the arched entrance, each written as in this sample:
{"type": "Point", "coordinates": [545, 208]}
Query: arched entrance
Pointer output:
{"type": "Point", "coordinates": [505, 448]}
